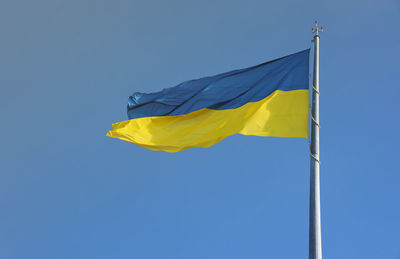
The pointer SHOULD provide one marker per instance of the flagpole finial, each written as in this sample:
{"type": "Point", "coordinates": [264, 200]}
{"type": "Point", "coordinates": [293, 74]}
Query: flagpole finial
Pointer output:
{"type": "Point", "coordinates": [317, 29]}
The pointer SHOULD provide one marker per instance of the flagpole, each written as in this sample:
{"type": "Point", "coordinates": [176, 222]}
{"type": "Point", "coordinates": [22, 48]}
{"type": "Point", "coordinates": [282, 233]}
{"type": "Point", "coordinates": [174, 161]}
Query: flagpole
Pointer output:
{"type": "Point", "coordinates": [315, 248]}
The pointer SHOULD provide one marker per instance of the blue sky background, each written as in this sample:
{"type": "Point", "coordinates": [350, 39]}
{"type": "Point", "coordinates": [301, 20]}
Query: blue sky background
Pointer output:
{"type": "Point", "coordinates": [68, 191]}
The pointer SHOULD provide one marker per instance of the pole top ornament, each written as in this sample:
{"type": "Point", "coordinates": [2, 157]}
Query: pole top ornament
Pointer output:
{"type": "Point", "coordinates": [317, 29]}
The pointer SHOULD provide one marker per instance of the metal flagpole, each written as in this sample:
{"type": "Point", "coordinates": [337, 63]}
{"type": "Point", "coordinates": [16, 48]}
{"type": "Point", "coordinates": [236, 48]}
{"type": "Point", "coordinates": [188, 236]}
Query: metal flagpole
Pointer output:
{"type": "Point", "coordinates": [315, 249]}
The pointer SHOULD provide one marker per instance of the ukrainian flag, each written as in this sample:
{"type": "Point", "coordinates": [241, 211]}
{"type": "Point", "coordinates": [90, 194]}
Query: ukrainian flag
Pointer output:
{"type": "Point", "coordinates": [270, 99]}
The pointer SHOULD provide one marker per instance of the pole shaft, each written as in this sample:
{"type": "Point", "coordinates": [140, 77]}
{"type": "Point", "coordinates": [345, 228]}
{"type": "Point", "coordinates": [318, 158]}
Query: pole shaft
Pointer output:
{"type": "Point", "coordinates": [315, 248]}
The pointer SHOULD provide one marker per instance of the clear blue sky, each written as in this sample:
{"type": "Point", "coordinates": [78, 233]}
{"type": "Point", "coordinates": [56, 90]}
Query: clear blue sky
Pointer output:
{"type": "Point", "coordinates": [68, 191]}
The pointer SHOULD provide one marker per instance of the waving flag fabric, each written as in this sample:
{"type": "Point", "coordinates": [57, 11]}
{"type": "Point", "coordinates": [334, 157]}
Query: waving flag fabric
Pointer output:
{"type": "Point", "coordinates": [270, 99]}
